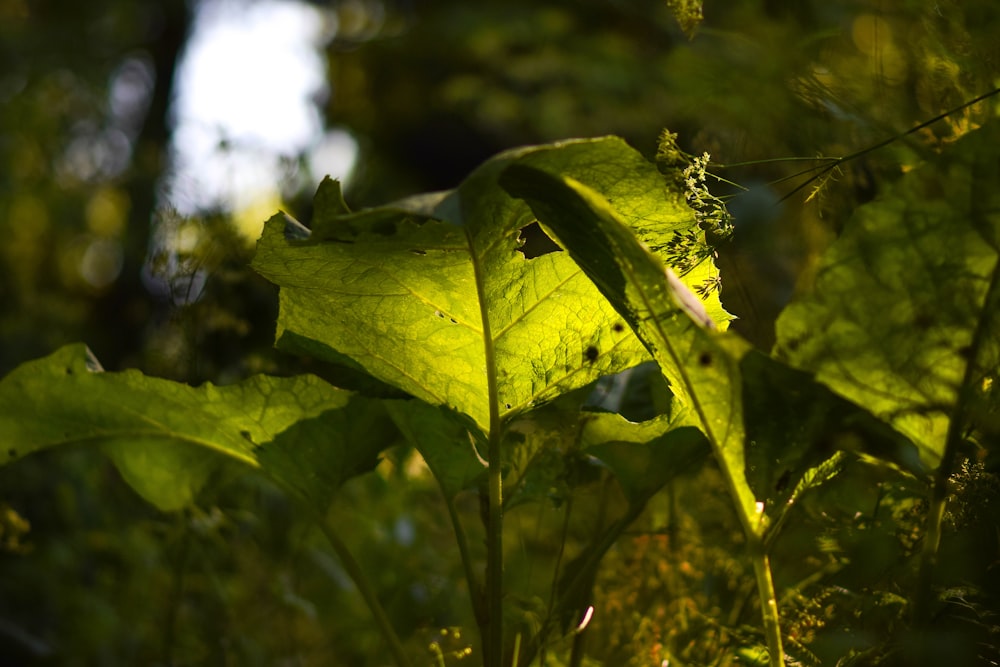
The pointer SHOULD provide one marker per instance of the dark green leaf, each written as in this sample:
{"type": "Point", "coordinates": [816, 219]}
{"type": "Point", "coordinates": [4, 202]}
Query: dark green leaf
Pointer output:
{"type": "Point", "coordinates": [443, 440]}
{"type": "Point", "coordinates": [794, 423]}
{"type": "Point", "coordinates": [644, 456]}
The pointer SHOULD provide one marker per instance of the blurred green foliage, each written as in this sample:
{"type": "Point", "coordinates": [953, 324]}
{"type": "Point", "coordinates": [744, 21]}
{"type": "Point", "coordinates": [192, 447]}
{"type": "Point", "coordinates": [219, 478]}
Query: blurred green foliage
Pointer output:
{"type": "Point", "coordinates": [90, 575]}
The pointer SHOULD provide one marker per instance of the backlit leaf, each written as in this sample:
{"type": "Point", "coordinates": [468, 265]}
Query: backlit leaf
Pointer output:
{"type": "Point", "coordinates": [166, 437]}
{"type": "Point", "coordinates": [904, 318]}
{"type": "Point", "coordinates": [434, 297]}
{"type": "Point", "coordinates": [701, 365]}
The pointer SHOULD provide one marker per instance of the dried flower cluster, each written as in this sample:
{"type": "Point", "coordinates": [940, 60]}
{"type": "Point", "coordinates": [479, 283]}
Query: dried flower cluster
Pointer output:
{"type": "Point", "coordinates": [688, 249]}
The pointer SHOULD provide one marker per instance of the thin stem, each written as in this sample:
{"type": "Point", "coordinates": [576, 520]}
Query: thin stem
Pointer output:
{"type": "Point", "coordinates": [751, 163]}
{"type": "Point", "coordinates": [754, 528]}
{"type": "Point", "coordinates": [541, 636]}
{"type": "Point", "coordinates": [960, 421]}
{"type": "Point", "coordinates": [475, 591]}
{"type": "Point", "coordinates": [885, 142]}
{"type": "Point", "coordinates": [576, 653]}
{"type": "Point", "coordinates": [493, 656]}
{"type": "Point", "coordinates": [494, 556]}
{"type": "Point", "coordinates": [922, 599]}
{"type": "Point", "coordinates": [559, 555]}
{"type": "Point", "coordinates": [367, 592]}
{"type": "Point", "coordinates": [595, 551]}
{"type": "Point", "coordinates": [768, 600]}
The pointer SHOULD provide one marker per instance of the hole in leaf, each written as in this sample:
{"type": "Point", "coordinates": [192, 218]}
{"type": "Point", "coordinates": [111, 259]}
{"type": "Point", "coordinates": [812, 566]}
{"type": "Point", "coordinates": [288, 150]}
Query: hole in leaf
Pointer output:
{"type": "Point", "coordinates": [453, 320]}
{"type": "Point", "coordinates": [438, 313]}
{"type": "Point", "coordinates": [591, 354]}
{"type": "Point", "coordinates": [618, 327]}
{"type": "Point", "coordinates": [507, 405]}
{"type": "Point", "coordinates": [534, 242]}
{"type": "Point", "coordinates": [418, 251]}
{"type": "Point", "coordinates": [705, 359]}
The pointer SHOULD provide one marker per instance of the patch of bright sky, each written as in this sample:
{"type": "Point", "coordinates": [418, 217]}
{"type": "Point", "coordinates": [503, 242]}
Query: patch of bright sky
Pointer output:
{"type": "Point", "coordinates": [247, 97]}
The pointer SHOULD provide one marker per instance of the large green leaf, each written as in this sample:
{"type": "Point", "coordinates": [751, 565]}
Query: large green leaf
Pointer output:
{"type": "Point", "coordinates": [433, 296]}
{"type": "Point", "coordinates": [644, 456]}
{"type": "Point", "coordinates": [167, 437]}
{"type": "Point", "coordinates": [443, 441]}
{"type": "Point", "coordinates": [795, 426]}
{"type": "Point", "coordinates": [701, 365]}
{"type": "Point", "coordinates": [904, 318]}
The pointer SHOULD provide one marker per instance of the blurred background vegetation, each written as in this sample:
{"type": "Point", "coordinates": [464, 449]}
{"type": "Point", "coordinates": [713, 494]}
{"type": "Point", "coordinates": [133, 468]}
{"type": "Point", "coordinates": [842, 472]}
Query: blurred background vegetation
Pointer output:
{"type": "Point", "coordinates": [128, 213]}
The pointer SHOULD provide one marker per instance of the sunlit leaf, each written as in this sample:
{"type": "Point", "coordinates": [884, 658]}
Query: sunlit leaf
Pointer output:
{"type": "Point", "coordinates": [903, 318]}
{"type": "Point", "coordinates": [167, 437]}
{"type": "Point", "coordinates": [434, 296]}
{"type": "Point", "coordinates": [701, 365]}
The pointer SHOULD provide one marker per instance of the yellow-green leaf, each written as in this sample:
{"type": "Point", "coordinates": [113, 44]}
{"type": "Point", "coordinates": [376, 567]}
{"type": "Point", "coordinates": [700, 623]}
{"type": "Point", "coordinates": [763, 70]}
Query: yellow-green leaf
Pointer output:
{"type": "Point", "coordinates": [434, 296]}
{"type": "Point", "coordinates": [904, 317]}
{"type": "Point", "coordinates": [167, 437]}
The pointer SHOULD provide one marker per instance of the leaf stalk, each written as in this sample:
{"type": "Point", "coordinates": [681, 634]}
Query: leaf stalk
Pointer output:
{"type": "Point", "coordinates": [475, 591]}
{"type": "Point", "coordinates": [494, 556]}
{"type": "Point", "coordinates": [367, 592]}
{"type": "Point", "coordinates": [959, 422]}
{"type": "Point", "coordinates": [493, 637]}
{"type": "Point", "coordinates": [768, 600]}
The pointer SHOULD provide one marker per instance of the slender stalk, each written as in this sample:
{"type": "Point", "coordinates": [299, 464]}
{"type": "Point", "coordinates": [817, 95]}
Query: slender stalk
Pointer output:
{"type": "Point", "coordinates": [595, 551]}
{"type": "Point", "coordinates": [960, 420]}
{"type": "Point", "coordinates": [493, 640]}
{"type": "Point", "coordinates": [576, 653]}
{"type": "Point", "coordinates": [494, 557]}
{"type": "Point", "coordinates": [755, 528]}
{"type": "Point", "coordinates": [475, 591]}
{"type": "Point", "coordinates": [768, 600]}
{"type": "Point", "coordinates": [823, 169]}
{"type": "Point", "coordinates": [559, 555]}
{"type": "Point", "coordinates": [922, 599]}
{"type": "Point", "coordinates": [367, 592]}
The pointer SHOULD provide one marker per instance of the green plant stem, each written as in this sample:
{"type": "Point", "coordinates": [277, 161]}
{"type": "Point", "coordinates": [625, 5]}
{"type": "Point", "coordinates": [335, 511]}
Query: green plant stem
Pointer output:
{"type": "Point", "coordinates": [960, 420]}
{"type": "Point", "coordinates": [367, 591]}
{"type": "Point", "coordinates": [595, 552]}
{"type": "Point", "coordinates": [768, 600]}
{"type": "Point", "coordinates": [754, 529]}
{"type": "Point", "coordinates": [493, 639]}
{"type": "Point", "coordinates": [475, 592]}
{"type": "Point", "coordinates": [922, 599]}
{"type": "Point", "coordinates": [494, 556]}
